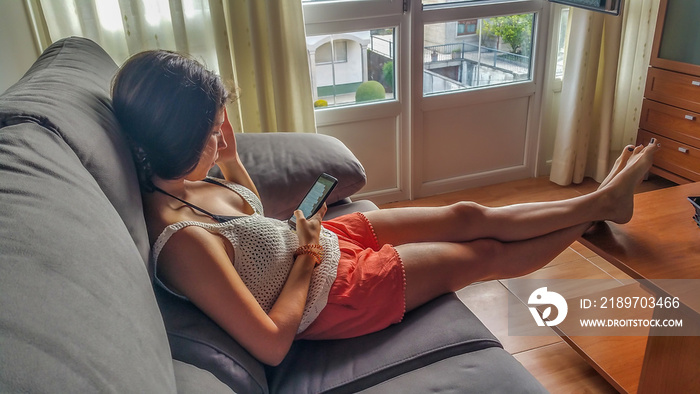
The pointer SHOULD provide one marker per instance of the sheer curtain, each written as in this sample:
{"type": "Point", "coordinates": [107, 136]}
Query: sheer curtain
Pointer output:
{"type": "Point", "coordinates": [602, 89]}
{"type": "Point", "coordinates": [257, 46]}
{"type": "Point", "coordinates": [268, 50]}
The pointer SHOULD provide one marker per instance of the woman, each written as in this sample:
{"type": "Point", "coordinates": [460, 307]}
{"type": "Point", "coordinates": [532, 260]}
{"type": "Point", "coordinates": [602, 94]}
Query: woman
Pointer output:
{"type": "Point", "coordinates": [266, 284]}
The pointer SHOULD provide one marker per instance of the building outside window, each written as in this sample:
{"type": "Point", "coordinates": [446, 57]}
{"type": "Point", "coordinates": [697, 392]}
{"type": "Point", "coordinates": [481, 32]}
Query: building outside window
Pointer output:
{"type": "Point", "coordinates": [338, 52]}
{"type": "Point", "coordinates": [458, 55]}
{"type": "Point", "coordinates": [477, 53]}
{"type": "Point", "coordinates": [341, 63]}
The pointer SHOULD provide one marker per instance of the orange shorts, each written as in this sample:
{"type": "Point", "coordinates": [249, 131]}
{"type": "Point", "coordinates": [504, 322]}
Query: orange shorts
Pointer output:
{"type": "Point", "coordinates": [368, 293]}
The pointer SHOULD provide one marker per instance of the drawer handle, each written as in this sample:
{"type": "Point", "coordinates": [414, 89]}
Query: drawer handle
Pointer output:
{"type": "Point", "coordinates": [683, 150]}
{"type": "Point", "coordinates": [690, 117]}
{"type": "Point", "coordinates": [696, 83]}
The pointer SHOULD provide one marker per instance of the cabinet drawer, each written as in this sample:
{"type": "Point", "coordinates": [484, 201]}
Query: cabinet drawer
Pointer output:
{"type": "Point", "coordinates": [679, 90]}
{"type": "Point", "coordinates": [682, 160]}
{"type": "Point", "coordinates": [675, 123]}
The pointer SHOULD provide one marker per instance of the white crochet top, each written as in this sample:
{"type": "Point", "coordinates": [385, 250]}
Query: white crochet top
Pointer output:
{"type": "Point", "coordinates": [263, 255]}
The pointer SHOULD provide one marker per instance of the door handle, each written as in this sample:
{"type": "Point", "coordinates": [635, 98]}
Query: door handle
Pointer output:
{"type": "Point", "coordinates": [696, 83]}
{"type": "Point", "coordinates": [690, 117]}
{"type": "Point", "coordinates": [683, 150]}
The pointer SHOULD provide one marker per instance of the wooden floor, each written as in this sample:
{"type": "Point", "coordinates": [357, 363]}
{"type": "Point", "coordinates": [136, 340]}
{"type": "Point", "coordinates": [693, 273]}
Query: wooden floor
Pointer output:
{"type": "Point", "coordinates": [558, 367]}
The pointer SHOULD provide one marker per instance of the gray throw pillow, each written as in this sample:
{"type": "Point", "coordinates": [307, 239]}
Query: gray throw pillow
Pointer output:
{"type": "Point", "coordinates": [285, 165]}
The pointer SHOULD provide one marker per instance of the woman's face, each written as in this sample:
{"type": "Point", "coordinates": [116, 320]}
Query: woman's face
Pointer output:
{"type": "Point", "coordinates": [215, 143]}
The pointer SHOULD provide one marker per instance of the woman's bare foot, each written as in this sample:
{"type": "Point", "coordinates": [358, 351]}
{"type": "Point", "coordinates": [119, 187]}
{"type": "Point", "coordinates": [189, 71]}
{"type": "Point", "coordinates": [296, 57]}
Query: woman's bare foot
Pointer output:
{"type": "Point", "coordinates": [620, 189]}
{"type": "Point", "coordinates": [620, 163]}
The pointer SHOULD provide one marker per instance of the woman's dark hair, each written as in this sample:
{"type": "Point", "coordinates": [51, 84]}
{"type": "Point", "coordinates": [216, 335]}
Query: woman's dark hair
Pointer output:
{"type": "Point", "coordinates": [166, 104]}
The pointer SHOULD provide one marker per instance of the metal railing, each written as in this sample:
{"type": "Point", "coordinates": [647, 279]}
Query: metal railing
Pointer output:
{"type": "Point", "coordinates": [381, 46]}
{"type": "Point", "coordinates": [482, 55]}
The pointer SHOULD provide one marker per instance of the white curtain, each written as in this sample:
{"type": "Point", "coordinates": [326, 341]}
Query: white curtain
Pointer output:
{"type": "Point", "coordinates": [257, 46]}
{"type": "Point", "coordinates": [602, 89]}
{"type": "Point", "coordinates": [268, 50]}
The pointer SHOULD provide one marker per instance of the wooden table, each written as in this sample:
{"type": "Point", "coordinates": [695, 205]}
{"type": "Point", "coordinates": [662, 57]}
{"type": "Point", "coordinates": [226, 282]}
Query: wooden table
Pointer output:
{"type": "Point", "coordinates": [660, 242]}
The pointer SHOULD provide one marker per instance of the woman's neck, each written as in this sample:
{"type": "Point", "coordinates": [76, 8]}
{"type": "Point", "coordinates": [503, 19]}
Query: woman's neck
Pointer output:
{"type": "Point", "coordinates": [175, 187]}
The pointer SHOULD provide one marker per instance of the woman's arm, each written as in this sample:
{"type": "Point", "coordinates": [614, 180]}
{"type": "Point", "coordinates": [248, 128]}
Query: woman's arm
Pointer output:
{"type": "Point", "coordinates": [230, 163]}
{"type": "Point", "coordinates": [198, 264]}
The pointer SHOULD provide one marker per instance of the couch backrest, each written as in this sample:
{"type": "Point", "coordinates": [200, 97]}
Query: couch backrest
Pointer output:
{"type": "Point", "coordinates": [67, 92]}
{"type": "Point", "coordinates": [77, 309]}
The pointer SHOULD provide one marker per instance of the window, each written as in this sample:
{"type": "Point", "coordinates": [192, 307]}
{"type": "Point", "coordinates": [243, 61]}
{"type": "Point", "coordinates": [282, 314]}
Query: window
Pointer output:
{"type": "Point", "coordinates": [498, 52]}
{"type": "Point", "coordinates": [428, 2]}
{"type": "Point", "coordinates": [338, 52]}
{"type": "Point", "coordinates": [467, 27]}
{"type": "Point", "coordinates": [352, 67]}
{"type": "Point", "coordinates": [562, 39]}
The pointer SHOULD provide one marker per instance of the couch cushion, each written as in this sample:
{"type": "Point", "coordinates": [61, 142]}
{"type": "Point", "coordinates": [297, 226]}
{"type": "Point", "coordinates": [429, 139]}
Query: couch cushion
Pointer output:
{"type": "Point", "coordinates": [77, 310]}
{"type": "Point", "coordinates": [490, 370]}
{"type": "Point", "coordinates": [285, 165]}
{"type": "Point", "coordinates": [191, 379]}
{"type": "Point", "coordinates": [440, 329]}
{"type": "Point", "coordinates": [197, 340]}
{"type": "Point", "coordinates": [344, 208]}
{"type": "Point", "coordinates": [67, 91]}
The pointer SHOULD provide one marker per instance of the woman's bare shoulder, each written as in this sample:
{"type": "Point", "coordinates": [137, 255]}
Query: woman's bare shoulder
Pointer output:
{"type": "Point", "coordinates": [159, 215]}
{"type": "Point", "coordinates": [194, 238]}
{"type": "Point", "coordinates": [193, 247]}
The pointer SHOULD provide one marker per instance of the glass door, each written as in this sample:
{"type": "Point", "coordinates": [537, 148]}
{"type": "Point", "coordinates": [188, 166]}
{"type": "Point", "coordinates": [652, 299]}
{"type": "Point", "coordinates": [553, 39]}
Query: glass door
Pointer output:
{"type": "Point", "coordinates": [358, 57]}
{"type": "Point", "coordinates": [432, 96]}
{"type": "Point", "coordinates": [476, 117]}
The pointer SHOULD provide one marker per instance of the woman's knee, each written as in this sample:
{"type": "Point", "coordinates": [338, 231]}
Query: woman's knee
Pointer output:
{"type": "Point", "coordinates": [468, 211]}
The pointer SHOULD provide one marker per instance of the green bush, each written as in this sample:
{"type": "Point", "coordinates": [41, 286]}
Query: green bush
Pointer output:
{"type": "Point", "coordinates": [370, 90]}
{"type": "Point", "coordinates": [388, 73]}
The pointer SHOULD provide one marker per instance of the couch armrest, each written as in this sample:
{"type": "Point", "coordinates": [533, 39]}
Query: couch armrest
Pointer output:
{"type": "Point", "coordinates": [285, 165]}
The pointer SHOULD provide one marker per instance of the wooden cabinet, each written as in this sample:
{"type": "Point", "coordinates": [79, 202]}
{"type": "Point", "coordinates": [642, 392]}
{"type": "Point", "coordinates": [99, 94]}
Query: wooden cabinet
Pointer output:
{"type": "Point", "coordinates": [671, 108]}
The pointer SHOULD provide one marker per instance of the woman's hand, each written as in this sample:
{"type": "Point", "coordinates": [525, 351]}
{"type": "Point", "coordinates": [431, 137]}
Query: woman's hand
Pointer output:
{"type": "Point", "coordinates": [230, 163]}
{"type": "Point", "coordinates": [309, 230]}
{"type": "Point", "coordinates": [231, 151]}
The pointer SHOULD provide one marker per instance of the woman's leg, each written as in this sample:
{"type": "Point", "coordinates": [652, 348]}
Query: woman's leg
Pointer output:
{"type": "Point", "coordinates": [467, 221]}
{"type": "Point", "coordinates": [436, 268]}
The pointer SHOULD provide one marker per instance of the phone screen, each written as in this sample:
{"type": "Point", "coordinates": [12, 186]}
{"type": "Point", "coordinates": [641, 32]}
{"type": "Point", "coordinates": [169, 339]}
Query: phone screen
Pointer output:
{"type": "Point", "coordinates": [316, 196]}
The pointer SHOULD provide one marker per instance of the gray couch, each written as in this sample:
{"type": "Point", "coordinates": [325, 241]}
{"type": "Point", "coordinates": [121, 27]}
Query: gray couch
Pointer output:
{"type": "Point", "coordinates": [78, 312]}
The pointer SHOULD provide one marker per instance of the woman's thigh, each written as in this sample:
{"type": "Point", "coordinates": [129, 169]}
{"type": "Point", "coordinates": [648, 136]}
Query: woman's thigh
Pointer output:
{"type": "Point", "coordinates": [436, 268]}
{"type": "Point", "coordinates": [453, 223]}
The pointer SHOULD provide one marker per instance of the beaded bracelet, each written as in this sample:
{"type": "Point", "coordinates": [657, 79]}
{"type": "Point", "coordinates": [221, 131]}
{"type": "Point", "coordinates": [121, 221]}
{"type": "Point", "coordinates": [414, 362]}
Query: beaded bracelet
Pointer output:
{"type": "Point", "coordinates": [313, 250]}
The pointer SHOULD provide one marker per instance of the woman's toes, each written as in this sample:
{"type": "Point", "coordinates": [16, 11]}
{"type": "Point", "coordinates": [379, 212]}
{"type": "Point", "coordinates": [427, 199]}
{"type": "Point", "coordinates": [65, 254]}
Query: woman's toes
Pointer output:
{"type": "Point", "coordinates": [619, 164]}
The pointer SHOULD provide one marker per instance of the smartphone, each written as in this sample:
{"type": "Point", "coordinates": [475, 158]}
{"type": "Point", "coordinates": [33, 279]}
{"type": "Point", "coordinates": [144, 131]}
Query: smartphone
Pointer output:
{"type": "Point", "coordinates": [314, 199]}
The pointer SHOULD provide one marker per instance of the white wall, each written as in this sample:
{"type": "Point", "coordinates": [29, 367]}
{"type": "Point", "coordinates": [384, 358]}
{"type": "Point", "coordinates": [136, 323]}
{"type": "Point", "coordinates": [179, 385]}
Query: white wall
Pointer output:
{"type": "Point", "coordinates": [17, 47]}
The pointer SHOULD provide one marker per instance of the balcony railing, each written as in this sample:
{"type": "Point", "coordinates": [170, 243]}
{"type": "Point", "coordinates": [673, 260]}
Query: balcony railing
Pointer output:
{"type": "Point", "coordinates": [483, 56]}
{"type": "Point", "coordinates": [382, 46]}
